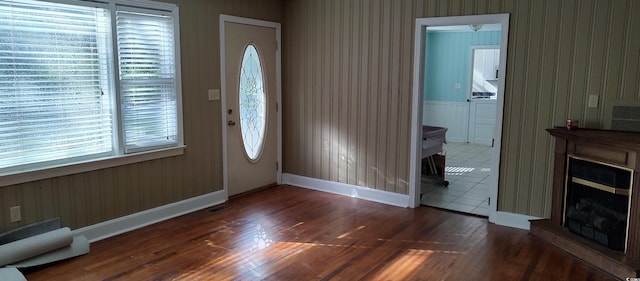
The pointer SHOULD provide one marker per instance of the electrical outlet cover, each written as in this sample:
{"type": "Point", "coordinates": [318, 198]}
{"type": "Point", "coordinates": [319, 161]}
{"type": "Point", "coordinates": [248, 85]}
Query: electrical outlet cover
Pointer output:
{"type": "Point", "coordinates": [15, 214]}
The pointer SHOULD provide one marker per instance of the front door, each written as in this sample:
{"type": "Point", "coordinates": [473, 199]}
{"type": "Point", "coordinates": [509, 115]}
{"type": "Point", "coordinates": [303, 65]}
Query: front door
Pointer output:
{"type": "Point", "coordinates": [250, 106]}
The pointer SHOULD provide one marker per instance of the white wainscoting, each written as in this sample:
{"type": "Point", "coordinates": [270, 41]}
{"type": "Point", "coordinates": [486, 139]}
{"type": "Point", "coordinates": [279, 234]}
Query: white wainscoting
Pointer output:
{"type": "Point", "coordinates": [452, 115]}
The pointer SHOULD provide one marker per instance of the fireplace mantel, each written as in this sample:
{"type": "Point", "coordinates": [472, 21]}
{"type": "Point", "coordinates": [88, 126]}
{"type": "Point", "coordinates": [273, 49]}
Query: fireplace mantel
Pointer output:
{"type": "Point", "coordinates": [612, 147]}
{"type": "Point", "coordinates": [624, 140]}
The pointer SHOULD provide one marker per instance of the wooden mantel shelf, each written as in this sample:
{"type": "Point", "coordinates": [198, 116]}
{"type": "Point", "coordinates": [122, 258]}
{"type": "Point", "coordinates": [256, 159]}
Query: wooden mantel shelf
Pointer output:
{"type": "Point", "coordinates": [626, 140]}
{"type": "Point", "coordinates": [613, 147]}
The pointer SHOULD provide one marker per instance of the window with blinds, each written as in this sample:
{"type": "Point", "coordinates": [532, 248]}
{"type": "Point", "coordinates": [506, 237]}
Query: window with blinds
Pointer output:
{"type": "Point", "coordinates": [147, 79]}
{"type": "Point", "coordinates": [61, 98]}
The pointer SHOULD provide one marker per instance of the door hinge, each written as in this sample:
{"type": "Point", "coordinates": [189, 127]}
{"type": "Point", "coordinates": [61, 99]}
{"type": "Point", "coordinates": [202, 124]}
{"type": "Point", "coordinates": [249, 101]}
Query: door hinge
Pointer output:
{"type": "Point", "coordinates": [493, 141]}
{"type": "Point", "coordinates": [277, 166]}
{"type": "Point", "coordinates": [489, 203]}
{"type": "Point", "coordinates": [277, 107]}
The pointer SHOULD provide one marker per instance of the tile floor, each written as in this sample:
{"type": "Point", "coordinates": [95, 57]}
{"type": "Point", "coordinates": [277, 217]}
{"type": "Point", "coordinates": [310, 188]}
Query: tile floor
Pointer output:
{"type": "Point", "coordinates": [467, 170]}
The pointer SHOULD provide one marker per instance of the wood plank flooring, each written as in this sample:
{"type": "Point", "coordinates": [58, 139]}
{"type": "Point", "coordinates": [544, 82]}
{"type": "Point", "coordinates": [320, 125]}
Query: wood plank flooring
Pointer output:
{"type": "Point", "coordinates": [290, 233]}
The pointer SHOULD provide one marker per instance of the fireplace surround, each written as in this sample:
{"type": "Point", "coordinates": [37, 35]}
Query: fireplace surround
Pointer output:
{"type": "Point", "coordinates": [595, 212]}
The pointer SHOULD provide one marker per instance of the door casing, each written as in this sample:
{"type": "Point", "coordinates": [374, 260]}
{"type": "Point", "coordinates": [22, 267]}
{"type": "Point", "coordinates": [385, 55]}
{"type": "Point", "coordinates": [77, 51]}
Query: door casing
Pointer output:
{"type": "Point", "coordinates": [417, 100]}
{"type": "Point", "coordinates": [223, 93]}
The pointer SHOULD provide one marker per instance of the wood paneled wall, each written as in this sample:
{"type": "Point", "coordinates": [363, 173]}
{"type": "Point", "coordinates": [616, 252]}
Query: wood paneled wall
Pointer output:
{"type": "Point", "coordinates": [89, 198]}
{"type": "Point", "coordinates": [346, 103]}
{"type": "Point", "coordinates": [347, 99]}
{"type": "Point", "coordinates": [347, 85]}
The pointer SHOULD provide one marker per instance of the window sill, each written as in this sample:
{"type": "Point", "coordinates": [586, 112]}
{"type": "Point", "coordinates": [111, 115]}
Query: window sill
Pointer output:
{"type": "Point", "coordinates": [87, 166]}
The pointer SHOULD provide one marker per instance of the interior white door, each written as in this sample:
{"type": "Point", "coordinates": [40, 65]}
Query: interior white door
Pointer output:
{"type": "Point", "coordinates": [251, 106]}
{"type": "Point", "coordinates": [485, 61]}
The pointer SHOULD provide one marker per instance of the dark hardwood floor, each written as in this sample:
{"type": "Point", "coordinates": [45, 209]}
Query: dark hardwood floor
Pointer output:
{"type": "Point", "coordinates": [290, 233]}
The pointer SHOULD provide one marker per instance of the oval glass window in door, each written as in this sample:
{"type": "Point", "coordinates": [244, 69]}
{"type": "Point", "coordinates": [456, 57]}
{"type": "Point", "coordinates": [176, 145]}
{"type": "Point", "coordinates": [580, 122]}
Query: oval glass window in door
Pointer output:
{"type": "Point", "coordinates": [252, 99]}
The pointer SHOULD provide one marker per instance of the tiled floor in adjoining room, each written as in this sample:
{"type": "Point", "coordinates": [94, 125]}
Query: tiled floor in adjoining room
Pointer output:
{"type": "Point", "coordinates": [467, 170]}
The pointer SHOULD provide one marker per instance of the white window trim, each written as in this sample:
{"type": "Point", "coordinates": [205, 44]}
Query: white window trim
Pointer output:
{"type": "Point", "coordinates": [41, 173]}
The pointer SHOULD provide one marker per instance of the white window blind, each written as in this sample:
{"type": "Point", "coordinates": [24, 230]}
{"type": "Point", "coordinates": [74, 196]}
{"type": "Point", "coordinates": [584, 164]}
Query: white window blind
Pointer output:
{"type": "Point", "coordinates": [53, 80]}
{"type": "Point", "coordinates": [71, 91]}
{"type": "Point", "coordinates": [147, 79]}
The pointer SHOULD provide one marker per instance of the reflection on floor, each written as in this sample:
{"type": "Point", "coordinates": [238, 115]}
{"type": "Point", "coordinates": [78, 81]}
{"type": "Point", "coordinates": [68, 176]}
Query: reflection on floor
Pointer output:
{"type": "Point", "coordinates": [467, 170]}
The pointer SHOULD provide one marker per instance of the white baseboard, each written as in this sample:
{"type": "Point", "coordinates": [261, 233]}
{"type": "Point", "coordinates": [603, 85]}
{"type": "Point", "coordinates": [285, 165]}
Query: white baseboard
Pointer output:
{"type": "Point", "coordinates": [385, 197]}
{"type": "Point", "coordinates": [127, 223]}
{"type": "Point", "coordinates": [512, 220]}
{"type": "Point", "coordinates": [389, 198]}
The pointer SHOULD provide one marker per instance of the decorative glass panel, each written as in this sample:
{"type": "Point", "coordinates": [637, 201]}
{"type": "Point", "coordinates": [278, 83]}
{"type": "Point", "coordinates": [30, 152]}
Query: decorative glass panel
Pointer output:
{"type": "Point", "coordinates": [253, 111]}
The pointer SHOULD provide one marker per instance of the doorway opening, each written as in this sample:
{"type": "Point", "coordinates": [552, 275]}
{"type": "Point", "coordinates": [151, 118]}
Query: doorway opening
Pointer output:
{"type": "Point", "coordinates": [444, 99]}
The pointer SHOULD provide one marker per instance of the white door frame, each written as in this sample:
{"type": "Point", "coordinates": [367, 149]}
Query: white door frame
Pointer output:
{"type": "Point", "coordinates": [223, 93]}
{"type": "Point", "coordinates": [418, 85]}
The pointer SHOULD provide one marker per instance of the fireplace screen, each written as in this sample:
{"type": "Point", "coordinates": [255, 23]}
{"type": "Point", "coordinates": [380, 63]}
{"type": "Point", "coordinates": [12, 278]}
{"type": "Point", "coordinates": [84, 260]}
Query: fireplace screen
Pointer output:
{"type": "Point", "coordinates": [597, 202]}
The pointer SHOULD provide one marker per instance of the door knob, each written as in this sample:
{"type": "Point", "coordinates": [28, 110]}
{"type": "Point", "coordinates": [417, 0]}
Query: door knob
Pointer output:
{"type": "Point", "coordinates": [231, 123]}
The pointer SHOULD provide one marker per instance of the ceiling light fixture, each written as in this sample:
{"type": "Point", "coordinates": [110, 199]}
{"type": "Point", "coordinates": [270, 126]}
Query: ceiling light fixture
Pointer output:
{"type": "Point", "coordinates": [475, 27]}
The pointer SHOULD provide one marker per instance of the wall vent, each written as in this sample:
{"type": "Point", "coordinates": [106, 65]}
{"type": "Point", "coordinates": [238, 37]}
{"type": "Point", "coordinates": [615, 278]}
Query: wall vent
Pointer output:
{"type": "Point", "coordinates": [625, 118]}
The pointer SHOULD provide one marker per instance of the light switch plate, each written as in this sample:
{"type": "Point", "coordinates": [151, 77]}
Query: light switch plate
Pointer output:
{"type": "Point", "coordinates": [593, 101]}
{"type": "Point", "coordinates": [214, 94]}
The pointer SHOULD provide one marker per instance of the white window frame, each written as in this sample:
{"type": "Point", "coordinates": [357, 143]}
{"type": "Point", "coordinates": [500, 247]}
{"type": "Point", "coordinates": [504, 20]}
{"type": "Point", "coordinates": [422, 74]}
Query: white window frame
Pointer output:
{"type": "Point", "coordinates": [39, 173]}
